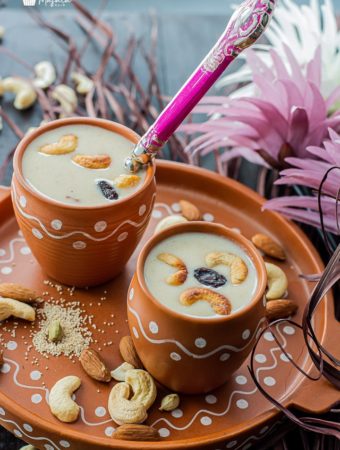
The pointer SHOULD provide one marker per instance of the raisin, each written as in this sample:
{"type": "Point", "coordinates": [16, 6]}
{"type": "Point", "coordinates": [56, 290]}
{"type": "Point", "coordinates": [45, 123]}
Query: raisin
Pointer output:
{"type": "Point", "coordinates": [108, 191]}
{"type": "Point", "coordinates": [209, 277]}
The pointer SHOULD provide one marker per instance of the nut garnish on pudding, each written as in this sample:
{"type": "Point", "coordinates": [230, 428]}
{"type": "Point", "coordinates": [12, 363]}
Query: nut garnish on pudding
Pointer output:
{"type": "Point", "coordinates": [80, 165]}
{"type": "Point", "coordinates": [200, 274]}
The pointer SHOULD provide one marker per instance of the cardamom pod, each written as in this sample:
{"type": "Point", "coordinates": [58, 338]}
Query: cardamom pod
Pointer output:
{"type": "Point", "coordinates": [169, 402]}
{"type": "Point", "coordinates": [55, 331]}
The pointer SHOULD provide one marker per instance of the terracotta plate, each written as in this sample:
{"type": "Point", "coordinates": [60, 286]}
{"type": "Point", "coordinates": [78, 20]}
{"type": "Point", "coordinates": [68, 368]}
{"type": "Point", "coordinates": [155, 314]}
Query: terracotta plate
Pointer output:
{"type": "Point", "coordinates": [236, 415]}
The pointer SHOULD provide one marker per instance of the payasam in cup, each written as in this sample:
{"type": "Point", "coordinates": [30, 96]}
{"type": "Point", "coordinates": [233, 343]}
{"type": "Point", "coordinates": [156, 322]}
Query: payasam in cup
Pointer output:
{"type": "Point", "coordinates": [80, 211]}
{"type": "Point", "coordinates": [196, 304]}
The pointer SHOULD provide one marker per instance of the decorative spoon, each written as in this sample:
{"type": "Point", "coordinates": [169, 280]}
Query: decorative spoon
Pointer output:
{"type": "Point", "coordinates": [245, 27]}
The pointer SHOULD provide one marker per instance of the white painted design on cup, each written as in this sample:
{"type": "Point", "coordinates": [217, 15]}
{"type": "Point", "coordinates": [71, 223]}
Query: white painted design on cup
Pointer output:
{"type": "Point", "coordinates": [79, 245]}
{"type": "Point", "coordinates": [200, 342]}
{"type": "Point", "coordinates": [122, 236]}
{"type": "Point", "coordinates": [142, 210]}
{"type": "Point", "coordinates": [100, 226]}
{"type": "Point", "coordinates": [153, 327]}
{"type": "Point", "coordinates": [56, 224]}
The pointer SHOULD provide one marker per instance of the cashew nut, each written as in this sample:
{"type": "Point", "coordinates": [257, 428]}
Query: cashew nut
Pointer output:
{"type": "Point", "coordinates": [238, 268]}
{"type": "Point", "coordinates": [143, 387]}
{"type": "Point", "coordinates": [277, 282]}
{"type": "Point", "coordinates": [45, 74]}
{"type": "Point", "coordinates": [25, 94]}
{"type": "Point", "coordinates": [219, 303]}
{"type": "Point", "coordinates": [121, 409]}
{"type": "Point", "coordinates": [126, 181]}
{"type": "Point", "coordinates": [84, 84]}
{"type": "Point", "coordinates": [119, 373]}
{"type": "Point", "coordinates": [10, 307]}
{"type": "Point", "coordinates": [178, 277]}
{"type": "Point", "coordinates": [66, 97]}
{"type": "Point", "coordinates": [60, 399]}
{"type": "Point", "coordinates": [66, 144]}
{"type": "Point", "coordinates": [169, 222]}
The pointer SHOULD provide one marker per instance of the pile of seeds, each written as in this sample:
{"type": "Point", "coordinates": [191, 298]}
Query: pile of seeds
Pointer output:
{"type": "Point", "coordinates": [76, 335]}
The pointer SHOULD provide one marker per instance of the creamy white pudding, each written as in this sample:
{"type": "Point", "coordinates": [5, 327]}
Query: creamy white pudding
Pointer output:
{"type": "Point", "coordinates": [193, 272]}
{"type": "Point", "coordinates": [80, 165]}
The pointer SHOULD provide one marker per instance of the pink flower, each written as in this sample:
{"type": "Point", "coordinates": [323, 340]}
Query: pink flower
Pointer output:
{"type": "Point", "coordinates": [287, 115]}
{"type": "Point", "coordinates": [309, 172]}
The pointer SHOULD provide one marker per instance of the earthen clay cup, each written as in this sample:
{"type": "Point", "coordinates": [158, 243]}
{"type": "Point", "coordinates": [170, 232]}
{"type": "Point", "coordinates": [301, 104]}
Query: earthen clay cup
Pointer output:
{"type": "Point", "coordinates": [81, 245]}
{"type": "Point", "coordinates": [190, 354]}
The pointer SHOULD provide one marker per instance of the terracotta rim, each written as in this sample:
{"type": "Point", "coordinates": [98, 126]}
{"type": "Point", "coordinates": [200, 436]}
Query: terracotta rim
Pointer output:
{"type": "Point", "coordinates": [92, 121]}
{"type": "Point", "coordinates": [212, 228]}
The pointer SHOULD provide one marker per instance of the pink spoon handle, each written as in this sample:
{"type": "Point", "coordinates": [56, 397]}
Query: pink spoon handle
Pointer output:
{"type": "Point", "coordinates": [246, 25]}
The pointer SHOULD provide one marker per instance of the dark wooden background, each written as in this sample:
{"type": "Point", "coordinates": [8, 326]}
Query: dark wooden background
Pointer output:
{"type": "Point", "coordinates": [187, 30]}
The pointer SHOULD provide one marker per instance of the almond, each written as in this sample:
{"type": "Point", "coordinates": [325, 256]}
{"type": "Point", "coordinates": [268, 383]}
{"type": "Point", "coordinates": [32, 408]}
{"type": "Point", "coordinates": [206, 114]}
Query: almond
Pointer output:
{"type": "Point", "coordinates": [280, 309]}
{"type": "Point", "coordinates": [189, 211]}
{"type": "Point", "coordinates": [131, 432]}
{"type": "Point", "coordinates": [93, 161]}
{"type": "Point", "coordinates": [268, 246]}
{"type": "Point", "coordinates": [128, 352]}
{"type": "Point", "coordinates": [94, 366]}
{"type": "Point", "coordinates": [18, 292]}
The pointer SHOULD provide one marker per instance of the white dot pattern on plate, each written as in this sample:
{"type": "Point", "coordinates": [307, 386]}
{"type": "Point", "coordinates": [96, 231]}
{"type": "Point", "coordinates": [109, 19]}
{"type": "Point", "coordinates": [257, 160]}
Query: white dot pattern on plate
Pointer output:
{"type": "Point", "coordinates": [37, 233]}
{"type": "Point", "coordinates": [6, 368]}
{"type": "Point", "coordinates": [28, 427]}
{"type": "Point", "coordinates": [206, 421]}
{"type": "Point", "coordinates": [269, 381]}
{"type": "Point", "coordinates": [208, 217]}
{"type": "Point", "coordinates": [65, 444]}
{"type": "Point", "coordinates": [260, 358]}
{"type": "Point", "coordinates": [25, 250]}
{"type": "Point", "coordinates": [200, 342]}
{"type": "Point", "coordinates": [284, 358]}
{"type": "Point", "coordinates": [48, 447]}
{"type": "Point", "coordinates": [135, 332]}
{"type": "Point", "coordinates": [211, 399]}
{"type": "Point", "coordinates": [177, 413]}
{"type": "Point", "coordinates": [100, 411]}
{"type": "Point", "coordinates": [79, 245]}
{"type": "Point", "coordinates": [231, 444]}
{"type": "Point", "coordinates": [224, 356]}
{"type": "Point", "coordinates": [268, 336]}
{"type": "Point", "coordinates": [109, 431]}
{"type": "Point", "coordinates": [56, 224]}
{"type": "Point", "coordinates": [2, 252]}
{"type": "Point", "coordinates": [241, 379]}
{"type": "Point", "coordinates": [122, 236]}
{"type": "Point", "coordinates": [242, 403]}
{"type": "Point", "coordinates": [131, 294]}
{"type": "Point", "coordinates": [156, 214]}
{"type": "Point", "coordinates": [100, 226]}
{"type": "Point", "coordinates": [6, 270]}
{"type": "Point", "coordinates": [142, 210]}
{"type": "Point", "coordinates": [35, 375]}
{"type": "Point", "coordinates": [17, 433]}
{"type": "Point", "coordinates": [11, 345]}
{"type": "Point", "coordinates": [164, 432]}
{"type": "Point", "coordinates": [245, 334]}
{"type": "Point", "coordinates": [36, 398]}
{"type": "Point", "coordinates": [289, 330]}
{"type": "Point", "coordinates": [153, 327]}
{"type": "Point", "coordinates": [23, 201]}
{"type": "Point", "coordinates": [175, 356]}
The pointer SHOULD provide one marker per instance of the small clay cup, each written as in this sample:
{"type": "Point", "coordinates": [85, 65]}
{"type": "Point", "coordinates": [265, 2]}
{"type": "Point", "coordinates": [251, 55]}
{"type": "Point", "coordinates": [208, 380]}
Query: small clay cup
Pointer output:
{"type": "Point", "coordinates": [81, 245]}
{"type": "Point", "coordinates": [189, 354]}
